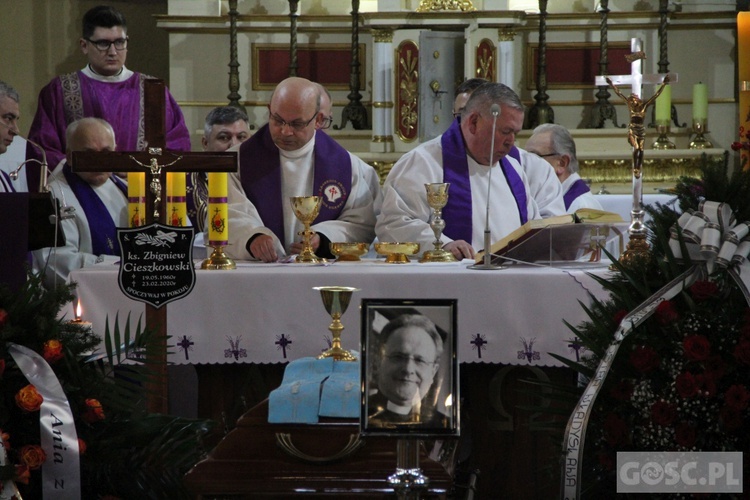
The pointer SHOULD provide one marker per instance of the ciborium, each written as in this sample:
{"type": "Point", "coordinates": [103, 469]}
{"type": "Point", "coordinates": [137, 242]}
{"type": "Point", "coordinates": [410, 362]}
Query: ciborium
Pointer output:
{"type": "Point", "coordinates": [336, 301]}
{"type": "Point", "coordinates": [306, 209]}
{"type": "Point", "coordinates": [396, 252]}
{"type": "Point", "coordinates": [348, 252]}
{"type": "Point", "coordinates": [437, 198]}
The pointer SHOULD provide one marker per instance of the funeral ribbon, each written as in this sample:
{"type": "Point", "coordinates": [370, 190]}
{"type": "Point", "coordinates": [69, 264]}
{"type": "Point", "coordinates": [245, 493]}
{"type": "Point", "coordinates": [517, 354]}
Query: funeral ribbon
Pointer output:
{"type": "Point", "coordinates": [61, 473]}
{"type": "Point", "coordinates": [712, 240]}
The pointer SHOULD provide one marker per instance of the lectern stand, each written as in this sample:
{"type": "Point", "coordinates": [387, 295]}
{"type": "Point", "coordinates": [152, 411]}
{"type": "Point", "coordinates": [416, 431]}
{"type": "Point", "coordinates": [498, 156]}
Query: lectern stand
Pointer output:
{"type": "Point", "coordinates": [29, 222]}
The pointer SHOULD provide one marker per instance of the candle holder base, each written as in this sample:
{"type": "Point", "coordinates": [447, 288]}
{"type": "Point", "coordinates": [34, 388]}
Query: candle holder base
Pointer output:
{"type": "Point", "coordinates": [700, 141]}
{"type": "Point", "coordinates": [662, 141]}
{"type": "Point", "coordinates": [218, 260]}
{"type": "Point", "coordinates": [637, 251]}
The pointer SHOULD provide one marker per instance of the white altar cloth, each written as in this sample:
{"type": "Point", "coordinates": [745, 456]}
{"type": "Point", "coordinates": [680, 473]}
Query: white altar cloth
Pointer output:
{"type": "Point", "coordinates": [269, 313]}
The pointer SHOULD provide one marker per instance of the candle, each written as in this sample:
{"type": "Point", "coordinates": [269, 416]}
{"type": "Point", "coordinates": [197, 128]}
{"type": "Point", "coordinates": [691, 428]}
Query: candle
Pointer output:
{"type": "Point", "coordinates": [218, 212]}
{"type": "Point", "coordinates": [136, 198]}
{"type": "Point", "coordinates": [743, 63]}
{"type": "Point", "coordinates": [176, 198]}
{"type": "Point", "coordinates": [700, 102]}
{"type": "Point", "coordinates": [78, 323]}
{"type": "Point", "coordinates": [664, 105]}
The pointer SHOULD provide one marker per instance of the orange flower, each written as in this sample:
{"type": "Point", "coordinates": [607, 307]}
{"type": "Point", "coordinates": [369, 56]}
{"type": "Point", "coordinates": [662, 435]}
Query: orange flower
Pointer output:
{"type": "Point", "coordinates": [93, 412]}
{"type": "Point", "coordinates": [32, 456]}
{"type": "Point", "coordinates": [23, 474]}
{"type": "Point", "coordinates": [52, 351]}
{"type": "Point", "coordinates": [28, 399]}
{"type": "Point", "coordinates": [6, 439]}
{"type": "Point", "coordinates": [81, 446]}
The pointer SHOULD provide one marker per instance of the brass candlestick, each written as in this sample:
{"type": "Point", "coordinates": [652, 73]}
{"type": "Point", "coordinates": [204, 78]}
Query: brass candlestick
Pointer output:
{"type": "Point", "coordinates": [336, 301]}
{"type": "Point", "coordinates": [306, 209]}
{"type": "Point", "coordinates": [437, 198]}
{"type": "Point", "coordinates": [700, 127]}
{"type": "Point", "coordinates": [218, 260]}
{"type": "Point", "coordinates": [663, 142]}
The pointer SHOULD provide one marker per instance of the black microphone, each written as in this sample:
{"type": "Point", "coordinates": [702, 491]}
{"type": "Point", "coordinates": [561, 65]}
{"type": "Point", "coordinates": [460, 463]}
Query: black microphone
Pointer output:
{"type": "Point", "coordinates": [495, 110]}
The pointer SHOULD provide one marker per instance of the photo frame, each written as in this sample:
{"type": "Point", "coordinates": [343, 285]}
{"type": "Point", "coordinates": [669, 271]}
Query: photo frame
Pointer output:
{"type": "Point", "coordinates": [409, 380]}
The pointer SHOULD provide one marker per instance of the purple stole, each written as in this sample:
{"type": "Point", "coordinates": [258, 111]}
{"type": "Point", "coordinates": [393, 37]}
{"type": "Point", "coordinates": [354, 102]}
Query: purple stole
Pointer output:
{"type": "Point", "coordinates": [578, 188]}
{"type": "Point", "coordinates": [260, 174]}
{"type": "Point", "coordinates": [5, 183]}
{"type": "Point", "coordinates": [101, 226]}
{"type": "Point", "coordinates": [457, 213]}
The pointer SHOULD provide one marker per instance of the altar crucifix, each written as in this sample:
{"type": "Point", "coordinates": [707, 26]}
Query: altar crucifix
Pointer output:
{"type": "Point", "coordinates": [638, 245]}
{"type": "Point", "coordinates": [155, 161]}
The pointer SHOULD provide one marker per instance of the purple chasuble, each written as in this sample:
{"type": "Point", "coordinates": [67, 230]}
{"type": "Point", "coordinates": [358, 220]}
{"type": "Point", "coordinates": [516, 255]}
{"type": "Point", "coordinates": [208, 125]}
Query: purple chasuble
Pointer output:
{"type": "Point", "coordinates": [578, 188]}
{"type": "Point", "coordinates": [457, 213]}
{"type": "Point", "coordinates": [260, 173]}
{"type": "Point", "coordinates": [101, 226]}
{"type": "Point", "coordinates": [74, 95]}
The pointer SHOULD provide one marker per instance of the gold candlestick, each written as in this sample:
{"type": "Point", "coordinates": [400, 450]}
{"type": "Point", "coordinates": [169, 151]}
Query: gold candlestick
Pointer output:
{"type": "Point", "coordinates": [699, 141]}
{"type": "Point", "coordinates": [306, 209]}
{"type": "Point", "coordinates": [218, 260]}
{"type": "Point", "coordinates": [336, 301]}
{"type": "Point", "coordinates": [663, 142]}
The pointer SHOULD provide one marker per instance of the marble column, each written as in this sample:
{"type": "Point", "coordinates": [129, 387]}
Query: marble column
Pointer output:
{"type": "Point", "coordinates": [505, 58]}
{"type": "Point", "coordinates": [382, 91]}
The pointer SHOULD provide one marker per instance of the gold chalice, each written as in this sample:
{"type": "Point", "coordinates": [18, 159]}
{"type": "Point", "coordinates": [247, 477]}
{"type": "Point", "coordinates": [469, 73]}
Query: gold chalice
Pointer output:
{"type": "Point", "coordinates": [306, 209]}
{"type": "Point", "coordinates": [437, 198]}
{"type": "Point", "coordinates": [336, 300]}
{"type": "Point", "coordinates": [396, 253]}
{"type": "Point", "coordinates": [348, 252]}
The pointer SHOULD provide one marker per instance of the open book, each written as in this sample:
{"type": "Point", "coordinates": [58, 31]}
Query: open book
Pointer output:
{"type": "Point", "coordinates": [581, 216]}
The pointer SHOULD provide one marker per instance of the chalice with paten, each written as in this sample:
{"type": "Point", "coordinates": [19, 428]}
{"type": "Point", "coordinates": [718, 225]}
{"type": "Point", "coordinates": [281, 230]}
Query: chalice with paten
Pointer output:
{"type": "Point", "coordinates": [437, 198]}
{"type": "Point", "coordinates": [306, 209]}
{"type": "Point", "coordinates": [336, 300]}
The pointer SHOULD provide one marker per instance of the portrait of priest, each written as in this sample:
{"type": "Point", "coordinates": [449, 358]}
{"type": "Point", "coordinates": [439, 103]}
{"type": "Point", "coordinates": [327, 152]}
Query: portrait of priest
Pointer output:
{"type": "Point", "coordinates": [462, 157]}
{"type": "Point", "coordinates": [290, 156]}
{"type": "Point", "coordinates": [100, 200]}
{"type": "Point", "coordinates": [105, 89]}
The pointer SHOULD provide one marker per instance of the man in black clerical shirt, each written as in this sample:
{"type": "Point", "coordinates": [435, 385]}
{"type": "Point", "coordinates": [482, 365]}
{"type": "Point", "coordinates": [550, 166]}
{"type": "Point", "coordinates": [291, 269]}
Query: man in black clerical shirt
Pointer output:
{"type": "Point", "coordinates": [409, 361]}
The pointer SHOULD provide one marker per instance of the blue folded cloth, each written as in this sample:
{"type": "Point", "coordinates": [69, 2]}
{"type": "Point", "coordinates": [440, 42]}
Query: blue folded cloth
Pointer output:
{"type": "Point", "coordinates": [314, 387]}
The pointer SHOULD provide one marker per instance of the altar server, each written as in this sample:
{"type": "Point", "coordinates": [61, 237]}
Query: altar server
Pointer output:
{"type": "Point", "coordinates": [104, 88]}
{"type": "Point", "coordinates": [289, 157]}
{"type": "Point", "coordinates": [100, 201]}
{"type": "Point", "coordinates": [462, 157]}
{"type": "Point", "coordinates": [555, 144]}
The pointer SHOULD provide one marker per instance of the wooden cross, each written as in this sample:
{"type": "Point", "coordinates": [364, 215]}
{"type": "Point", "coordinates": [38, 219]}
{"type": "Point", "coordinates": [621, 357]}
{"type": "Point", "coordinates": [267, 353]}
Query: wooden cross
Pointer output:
{"type": "Point", "coordinates": [155, 161]}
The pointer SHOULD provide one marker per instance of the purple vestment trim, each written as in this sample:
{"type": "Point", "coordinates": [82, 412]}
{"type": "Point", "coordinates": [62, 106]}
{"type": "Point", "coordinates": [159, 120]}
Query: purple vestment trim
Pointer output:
{"type": "Point", "coordinates": [6, 183]}
{"type": "Point", "coordinates": [260, 173]}
{"type": "Point", "coordinates": [218, 200]}
{"type": "Point", "coordinates": [101, 226]}
{"type": "Point", "coordinates": [457, 213]}
{"type": "Point", "coordinates": [578, 188]}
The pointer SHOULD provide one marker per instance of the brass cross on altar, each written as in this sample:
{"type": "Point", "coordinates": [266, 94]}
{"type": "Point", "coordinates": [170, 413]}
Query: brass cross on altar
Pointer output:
{"type": "Point", "coordinates": [156, 161]}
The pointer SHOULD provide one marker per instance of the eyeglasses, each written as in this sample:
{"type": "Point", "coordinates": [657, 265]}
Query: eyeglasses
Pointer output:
{"type": "Point", "coordinates": [297, 125]}
{"type": "Point", "coordinates": [548, 154]}
{"type": "Point", "coordinates": [326, 123]}
{"type": "Point", "coordinates": [402, 359]}
{"type": "Point", "coordinates": [104, 45]}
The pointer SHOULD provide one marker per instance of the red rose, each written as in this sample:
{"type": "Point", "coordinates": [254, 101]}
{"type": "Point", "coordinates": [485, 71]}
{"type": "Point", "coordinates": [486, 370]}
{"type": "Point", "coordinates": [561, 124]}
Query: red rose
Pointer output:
{"type": "Point", "coordinates": [32, 456]}
{"type": "Point", "coordinates": [622, 391]}
{"type": "Point", "coordinates": [644, 359]}
{"type": "Point", "coordinates": [93, 412]}
{"type": "Point", "coordinates": [2, 367]}
{"type": "Point", "coordinates": [619, 315]}
{"type": "Point", "coordinates": [685, 434]}
{"type": "Point", "coordinates": [23, 474]}
{"type": "Point", "coordinates": [52, 351]}
{"type": "Point", "coordinates": [737, 397]}
{"type": "Point", "coordinates": [666, 313]}
{"type": "Point", "coordinates": [696, 347]}
{"type": "Point", "coordinates": [615, 430]}
{"type": "Point", "coordinates": [81, 446]}
{"type": "Point", "coordinates": [707, 385]}
{"type": "Point", "coordinates": [28, 399]}
{"type": "Point", "coordinates": [714, 367]}
{"type": "Point", "coordinates": [686, 385]}
{"type": "Point", "coordinates": [3, 317]}
{"type": "Point", "coordinates": [703, 290]}
{"type": "Point", "coordinates": [6, 439]}
{"type": "Point", "coordinates": [663, 413]}
{"type": "Point", "coordinates": [742, 352]}
{"type": "Point", "coordinates": [730, 418]}
{"type": "Point", "coordinates": [606, 460]}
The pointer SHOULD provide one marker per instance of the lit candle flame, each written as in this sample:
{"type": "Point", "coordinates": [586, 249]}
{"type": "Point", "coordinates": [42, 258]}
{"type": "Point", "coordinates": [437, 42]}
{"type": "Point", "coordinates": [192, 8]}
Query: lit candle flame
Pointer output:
{"type": "Point", "coordinates": [78, 311]}
{"type": "Point", "coordinates": [449, 401]}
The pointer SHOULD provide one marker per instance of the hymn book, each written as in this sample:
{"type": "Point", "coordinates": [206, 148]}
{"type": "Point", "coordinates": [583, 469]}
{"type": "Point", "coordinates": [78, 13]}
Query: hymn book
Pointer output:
{"type": "Point", "coordinates": [579, 221]}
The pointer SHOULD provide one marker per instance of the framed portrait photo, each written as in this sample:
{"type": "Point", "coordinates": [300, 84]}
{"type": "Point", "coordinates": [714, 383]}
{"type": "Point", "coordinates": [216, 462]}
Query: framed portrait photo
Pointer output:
{"type": "Point", "coordinates": [409, 367]}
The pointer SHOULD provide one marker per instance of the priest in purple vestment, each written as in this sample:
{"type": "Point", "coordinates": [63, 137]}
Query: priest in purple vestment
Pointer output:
{"type": "Point", "coordinates": [106, 89]}
{"type": "Point", "coordinates": [9, 115]}
{"type": "Point", "coordinates": [482, 181]}
{"type": "Point", "coordinates": [555, 144]}
{"type": "Point", "coordinates": [289, 157]}
{"type": "Point", "coordinates": [100, 200]}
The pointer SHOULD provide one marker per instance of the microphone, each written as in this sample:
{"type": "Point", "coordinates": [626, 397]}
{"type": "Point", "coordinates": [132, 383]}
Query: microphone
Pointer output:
{"type": "Point", "coordinates": [43, 188]}
{"type": "Point", "coordinates": [487, 264]}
